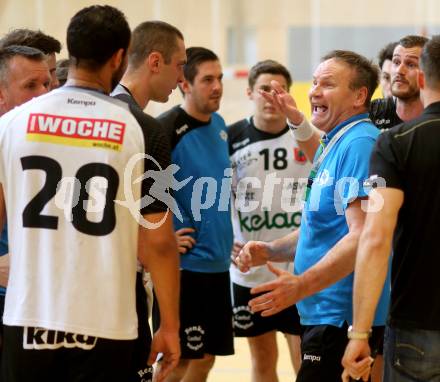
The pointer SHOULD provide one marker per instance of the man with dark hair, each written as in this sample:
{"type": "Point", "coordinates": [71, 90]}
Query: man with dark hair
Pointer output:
{"type": "Point", "coordinates": [70, 310]}
{"type": "Point", "coordinates": [155, 66]}
{"type": "Point", "coordinates": [62, 70]}
{"type": "Point", "coordinates": [154, 36]}
{"type": "Point", "coordinates": [405, 103]}
{"type": "Point", "coordinates": [200, 149]}
{"type": "Point", "coordinates": [198, 56]}
{"type": "Point", "coordinates": [101, 42]}
{"type": "Point", "coordinates": [406, 224]}
{"type": "Point", "coordinates": [258, 146]}
{"type": "Point", "coordinates": [386, 53]}
{"type": "Point", "coordinates": [325, 246]}
{"type": "Point", "coordinates": [268, 67]}
{"type": "Point", "coordinates": [155, 63]}
{"type": "Point", "coordinates": [38, 40]}
{"type": "Point", "coordinates": [384, 60]}
{"type": "Point", "coordinates": [24, 74]}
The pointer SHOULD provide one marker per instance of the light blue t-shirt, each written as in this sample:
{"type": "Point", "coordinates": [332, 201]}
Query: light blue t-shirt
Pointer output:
{"type": "Point", "coordinates": [339, 181]}
{"type": "Point", "coordinates": [201, 151]}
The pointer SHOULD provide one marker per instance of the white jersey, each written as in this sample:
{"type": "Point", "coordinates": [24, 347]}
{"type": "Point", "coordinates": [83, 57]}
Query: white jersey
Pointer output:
{"type": "Point", "coordinates": [73, 249]}
{"type": "Point", "coordinates": [269, 177]}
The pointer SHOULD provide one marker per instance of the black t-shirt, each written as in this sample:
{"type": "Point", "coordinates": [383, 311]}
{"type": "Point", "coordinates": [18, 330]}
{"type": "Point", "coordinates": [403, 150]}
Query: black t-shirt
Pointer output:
{"type": "Point", "coordinates": [408, 158]}
{"type": "Point", "coordinates": [157, 146]}
{"type": "Point", "coordinates": [383, 113]}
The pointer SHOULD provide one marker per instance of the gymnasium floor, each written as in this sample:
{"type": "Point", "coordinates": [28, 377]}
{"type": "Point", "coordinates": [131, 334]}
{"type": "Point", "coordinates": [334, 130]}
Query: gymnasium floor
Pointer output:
{"type": "Point", "coordinates": [237, 368]}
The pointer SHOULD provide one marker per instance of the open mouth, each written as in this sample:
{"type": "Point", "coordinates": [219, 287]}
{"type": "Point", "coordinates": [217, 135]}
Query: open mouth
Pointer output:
{"type": "Point", "coordinates": [318, 109]}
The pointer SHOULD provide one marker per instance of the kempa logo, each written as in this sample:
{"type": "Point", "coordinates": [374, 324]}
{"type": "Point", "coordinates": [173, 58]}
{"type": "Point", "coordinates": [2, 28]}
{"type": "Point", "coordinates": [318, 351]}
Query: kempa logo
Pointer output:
{"type": "Point", "coordinates": [243, 143]}
{"type": "Point", "coordinates": [382, 121]}
{"type": "Point", "coordinates": [182, 129]}
{"type": "Point", "coordinates": [80, 102]}
{"type": "Point", "coordinates": [313, 358]}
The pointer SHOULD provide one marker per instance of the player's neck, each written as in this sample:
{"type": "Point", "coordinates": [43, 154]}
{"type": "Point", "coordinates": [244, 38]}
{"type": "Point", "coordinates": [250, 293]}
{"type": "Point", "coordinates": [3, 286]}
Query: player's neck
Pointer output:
{"type": "Point", "coordinates": [408, 109]}
{"type": "Point", "coordinates": [88, 79]}
{"type": "Point", "coordinates": [137, 89]}
{"type": "Point", "coordinates": [272, 127]}
{"type": "Point", "coordinates": [430, 96]}
{"type": "Point", "coordinates": [192, 111]}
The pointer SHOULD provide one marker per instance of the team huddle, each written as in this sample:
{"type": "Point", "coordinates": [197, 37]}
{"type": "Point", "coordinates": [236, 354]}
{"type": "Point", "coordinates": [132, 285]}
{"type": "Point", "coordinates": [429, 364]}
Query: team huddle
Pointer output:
{"type": "Point", "coordinates": [323, 230]}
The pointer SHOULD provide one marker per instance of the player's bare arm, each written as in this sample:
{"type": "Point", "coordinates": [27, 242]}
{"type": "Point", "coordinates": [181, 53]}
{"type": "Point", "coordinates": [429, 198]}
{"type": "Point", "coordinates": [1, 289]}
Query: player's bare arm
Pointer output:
{"type": "Point", "coordinates": [157, 251]}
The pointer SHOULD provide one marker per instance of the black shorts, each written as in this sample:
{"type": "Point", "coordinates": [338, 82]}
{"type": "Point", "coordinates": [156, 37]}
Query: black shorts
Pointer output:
{"type": "Point", "coordinates": [322, 349]}
{"type": "Point", "coordinates": [205, 314]}
{"type": "Point", "coordinates": [141, 372]}
{"type": "Point", "coordinates": [45, 359]}
{"type": "Point", "coordinates": [248, 324]}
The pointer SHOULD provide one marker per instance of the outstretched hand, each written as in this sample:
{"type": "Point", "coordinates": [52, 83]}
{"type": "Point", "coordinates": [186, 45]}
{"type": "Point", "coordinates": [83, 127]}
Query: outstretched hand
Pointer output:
{"type": "Point", "coordinates": [279, 294]}
{"type": "Point", "coordinates": [252, 254]}
{"type": "Point", "coordinates": [281, 100]}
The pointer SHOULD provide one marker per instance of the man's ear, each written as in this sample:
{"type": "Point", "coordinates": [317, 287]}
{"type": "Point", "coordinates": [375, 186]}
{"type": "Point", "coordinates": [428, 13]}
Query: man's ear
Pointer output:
{"type": "Point", "coordinates": [361, 96]}
{"type": "Point", "coordinates": [2, 97]}
{"type": "Point", "coordinates": [249, 93]}
{"type": "Point", "coordinates": [118, 58]}
{"type": "Point", "coordinates": [154, 61]}
{"type": "Point", "coordinates": [185, 87]}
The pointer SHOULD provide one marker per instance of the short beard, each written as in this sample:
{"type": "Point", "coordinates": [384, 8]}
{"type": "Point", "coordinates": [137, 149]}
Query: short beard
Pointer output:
{"type": "Point", "coordinates": [409, 95]}
{"type": "Point", "coordinates": [207, 109]}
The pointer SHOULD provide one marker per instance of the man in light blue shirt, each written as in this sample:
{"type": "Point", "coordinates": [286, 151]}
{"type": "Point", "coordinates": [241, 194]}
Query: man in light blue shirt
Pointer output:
{"type": "Point", "coordinates": [338, 183]}
{"type": "Point", "coordinates": [333, 215]}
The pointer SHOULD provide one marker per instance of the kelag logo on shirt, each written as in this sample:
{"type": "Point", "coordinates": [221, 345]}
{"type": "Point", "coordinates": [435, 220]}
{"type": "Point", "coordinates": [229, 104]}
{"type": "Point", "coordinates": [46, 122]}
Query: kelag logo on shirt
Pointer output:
{"type": "Point", "coordinates": [280, 220]}
{"type": "Point", "coordinates": [71, 131]}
